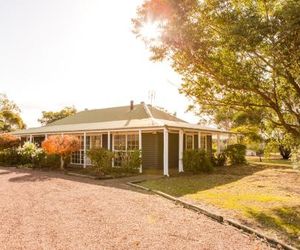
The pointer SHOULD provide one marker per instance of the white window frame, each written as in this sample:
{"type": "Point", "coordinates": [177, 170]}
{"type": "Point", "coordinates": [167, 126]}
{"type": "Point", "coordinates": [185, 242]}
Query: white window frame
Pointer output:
{"type": "Point", "coordinates": [193, 141]}
{"type": "Point", "coordinates": [126, 143]}
{"type": "Point", "coordinates": [81, 150]}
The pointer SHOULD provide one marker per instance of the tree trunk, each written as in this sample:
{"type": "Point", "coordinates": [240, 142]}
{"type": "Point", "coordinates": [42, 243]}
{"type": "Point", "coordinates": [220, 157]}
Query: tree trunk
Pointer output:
{"type": "Point", "coordinates": [62, 163]}
{"type": "Point", "coordinates": [285, 152]}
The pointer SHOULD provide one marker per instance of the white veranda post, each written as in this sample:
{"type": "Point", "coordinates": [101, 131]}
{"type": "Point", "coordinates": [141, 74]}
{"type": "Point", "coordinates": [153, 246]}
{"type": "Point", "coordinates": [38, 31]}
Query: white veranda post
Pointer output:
{"type": "Point", "coordinates": [199, 139]}
{"type": "Point", "coordinates": [84, 150]}
{"type": "Point", "coordinates": [108, 140]}
{"type": "Point", "coordinates": [166, 152]}
{"type": "Point", "coordinates": [180, 163]}
{"type": "Point", "coordinates": [140, 149]}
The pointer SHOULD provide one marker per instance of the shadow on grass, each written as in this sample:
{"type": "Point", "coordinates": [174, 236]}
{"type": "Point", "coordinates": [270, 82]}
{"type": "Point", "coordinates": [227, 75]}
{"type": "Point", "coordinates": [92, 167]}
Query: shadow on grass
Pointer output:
{"type": "Point", "coordinates": [283, 220]}
{"type": "Point", "coordinates": [185, 184]}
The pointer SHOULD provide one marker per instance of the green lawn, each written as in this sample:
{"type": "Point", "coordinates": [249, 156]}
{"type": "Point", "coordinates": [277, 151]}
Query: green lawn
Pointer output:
{"type": "Point", "coordinates": [273, 160]}
{"type": "Point", "coordinates": [261, 196]}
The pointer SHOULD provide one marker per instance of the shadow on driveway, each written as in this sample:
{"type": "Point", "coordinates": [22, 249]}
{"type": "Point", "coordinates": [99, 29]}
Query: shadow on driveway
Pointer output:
{"type": "Point", "coordinates": [30, 175]}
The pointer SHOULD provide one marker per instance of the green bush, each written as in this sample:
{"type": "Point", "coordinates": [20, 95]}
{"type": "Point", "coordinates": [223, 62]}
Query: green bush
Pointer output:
{"type": "Point", "coordinates": [131, 161]}
{"type": "Point", "coordinates": [10, 157]}
{"type": "Point", "coordinates": [51, 161]}
{"type": "Point", "coordinates": [219, 160]}
{"type": "Point", "coordinates": [236, 153]}
{"type": "Point", "coordinates": [101, 160]}
{"type": "Point", "coordinates": [31, 154]}
{"type": "Point", "coordinates": [196, 161]}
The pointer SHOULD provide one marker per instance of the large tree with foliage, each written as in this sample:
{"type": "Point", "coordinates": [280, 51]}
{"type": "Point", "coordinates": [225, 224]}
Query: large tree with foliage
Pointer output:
{"type": "Point", "coordinates": [238, 55]}
{"type": "Point", "coordinates": [10, 118]}
{"type": "Point", "coordinates": [52, 116]}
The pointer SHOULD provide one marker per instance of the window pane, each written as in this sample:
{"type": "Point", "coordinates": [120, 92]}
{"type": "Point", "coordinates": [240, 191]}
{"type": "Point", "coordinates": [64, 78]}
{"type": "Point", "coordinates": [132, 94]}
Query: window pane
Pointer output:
{"type": "Point", "coordinates": [88, 139]}
{"type": "Point", "coordinates": [120, 142]}
{"type": "Point", "coordinates": [96, 141]}
{"type": "Point", "coordinates": [132, 142]}
{"type": "Point", "coordinates": [189, 141]}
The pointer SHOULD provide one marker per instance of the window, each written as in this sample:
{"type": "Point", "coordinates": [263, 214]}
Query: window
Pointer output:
{"type": "Point", "coordinates": [132, 142]}
{"type": "Point", "coordinates": [189, 142]}
{"type": "Point", "coordinates": [119, 142]}
{"type": "Point", "coordinates": [75, 157]}
{"type": "Point", "coordinates": [78, 156]}
{"type": "Point", "coordinates": [94, 141]}
{"type": "Point", "coordinates": [124, 143]}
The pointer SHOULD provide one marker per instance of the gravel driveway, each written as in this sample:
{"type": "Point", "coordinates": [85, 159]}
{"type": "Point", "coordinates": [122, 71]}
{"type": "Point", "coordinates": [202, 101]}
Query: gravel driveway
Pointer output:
{"type": "Point", "coordinates": [43, 210]}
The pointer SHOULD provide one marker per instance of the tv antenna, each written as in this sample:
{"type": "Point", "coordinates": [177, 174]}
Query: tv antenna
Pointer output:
{"type": "Point", "coordinates": [151, 96]}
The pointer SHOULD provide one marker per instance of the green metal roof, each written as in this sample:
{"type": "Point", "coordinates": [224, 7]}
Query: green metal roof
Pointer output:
{"type": "Point", "coordinates": [115, 114]}
{"type": "Point", "coordinates": [118, 118]}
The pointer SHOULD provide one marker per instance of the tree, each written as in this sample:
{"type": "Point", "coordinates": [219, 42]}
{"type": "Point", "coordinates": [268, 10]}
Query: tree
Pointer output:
{"type": "Point", "coordinates": [8, 141]}
{"type": "Point", "coordinates": [62, 145]}
{"type": "Point", "coordinates": [52, 116]}
{"type": "Point", "coordinates": [257, 131]}
{"type": "Point", "coordinates": [238, 55]}
{"type": "Point", "coordinates": [278, 140]}
{"type": "Point", "coordinates": [10, 118]}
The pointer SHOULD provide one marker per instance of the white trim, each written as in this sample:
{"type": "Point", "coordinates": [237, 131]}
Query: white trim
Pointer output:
{"type": "Point", "coordinates": [112, 148]}
{"type": "Point", "coordinates": [108, 140]}
{"type": "Point", "coordinates": [180, 163]}
{"type": "Point", "coordinates": [166, 152]}
{"type": "Point", "coordinates": [140, 148]}
{"type": "Point", "coordinates": [84, 149]}
{"type": "Point", "coordinates": [146, 128]}
{"type": "Point", "coordinates": [31, 138]}
{"type": "Point", "coordinates": [199, 139]}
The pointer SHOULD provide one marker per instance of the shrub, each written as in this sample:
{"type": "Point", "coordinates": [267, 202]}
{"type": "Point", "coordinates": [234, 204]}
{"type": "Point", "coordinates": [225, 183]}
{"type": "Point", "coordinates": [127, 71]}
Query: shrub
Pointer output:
{"type": "Point", "coordinates": [196, 161]}
{"type": "Point", "coordinates": [8, 141]}
{"type": "Point", "coordinates": [62, 145]}
{"type": "Point", "coordinates": [236, 153]}
{"type": "Point", "coordinates": [101, 159]}
{"type": "Point", "coordinates": [10, 157]}
{"type": "Point", "coordinates": [31, 154]}
{"type": "Point", "coordinates": [131, 161]}
{"type": "Point", "coordinates": [51, 161]}
{"type": "Point", "coordinates": [219, 160]}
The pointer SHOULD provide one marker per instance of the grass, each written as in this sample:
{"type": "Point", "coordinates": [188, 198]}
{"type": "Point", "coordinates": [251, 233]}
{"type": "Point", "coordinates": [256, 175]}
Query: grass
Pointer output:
{"type": "Point", "coordinates": [261, 196]}
{"type": "Point", "coordinates": [273, 160]}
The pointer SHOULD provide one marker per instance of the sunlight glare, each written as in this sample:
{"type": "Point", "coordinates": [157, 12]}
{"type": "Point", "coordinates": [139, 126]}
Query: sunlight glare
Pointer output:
{"type": "Point", "coordinates": [151, 31]}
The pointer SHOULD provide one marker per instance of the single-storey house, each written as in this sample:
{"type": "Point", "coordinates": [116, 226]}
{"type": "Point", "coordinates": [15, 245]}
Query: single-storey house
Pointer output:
{"type": "Point", "coordinates": [161, 137]}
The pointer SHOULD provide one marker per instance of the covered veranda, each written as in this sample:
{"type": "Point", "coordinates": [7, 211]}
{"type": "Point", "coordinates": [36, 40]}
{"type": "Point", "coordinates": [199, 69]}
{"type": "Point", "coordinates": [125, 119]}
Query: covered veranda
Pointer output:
{"type": "Point", "coordinates": [161, 146]}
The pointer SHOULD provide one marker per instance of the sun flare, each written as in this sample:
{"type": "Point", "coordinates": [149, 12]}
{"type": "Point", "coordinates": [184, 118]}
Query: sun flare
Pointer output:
{"type": "Point", "coordinates": [151, 31]}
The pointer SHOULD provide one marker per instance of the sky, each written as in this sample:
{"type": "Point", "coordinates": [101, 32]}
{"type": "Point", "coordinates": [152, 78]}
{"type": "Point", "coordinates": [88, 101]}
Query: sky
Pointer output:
{"type": "Point", "coordinates": [57, 53]}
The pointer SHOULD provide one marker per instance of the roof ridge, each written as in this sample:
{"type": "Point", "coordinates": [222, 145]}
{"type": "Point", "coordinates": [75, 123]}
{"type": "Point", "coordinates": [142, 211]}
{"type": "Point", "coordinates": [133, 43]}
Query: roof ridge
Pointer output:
{"type": "Point", "coordinates": [123, 106]}
{"type": "Point", "coordinates": [148, 112]}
